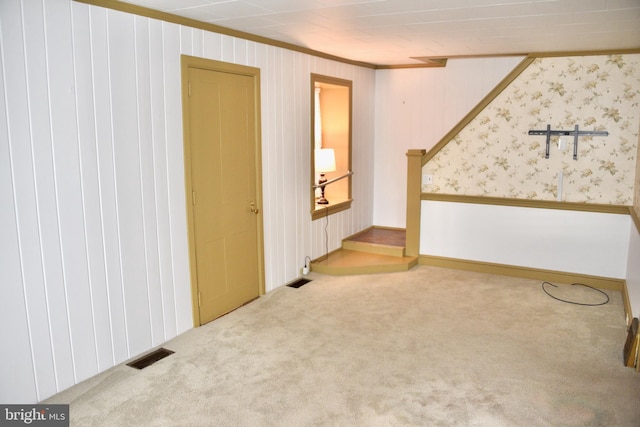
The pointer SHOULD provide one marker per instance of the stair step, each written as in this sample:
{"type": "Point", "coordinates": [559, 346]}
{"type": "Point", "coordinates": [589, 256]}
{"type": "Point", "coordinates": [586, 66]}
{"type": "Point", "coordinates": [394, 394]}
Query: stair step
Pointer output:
{"type": "Point", "coordinates": [373, 248]}
{"type": "Point", "coordinates": [378, 240]}
{"type": "Point", "coordinates": [345, 261]}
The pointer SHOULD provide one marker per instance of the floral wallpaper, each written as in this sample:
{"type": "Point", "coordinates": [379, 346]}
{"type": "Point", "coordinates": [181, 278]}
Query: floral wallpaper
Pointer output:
{"type": "Point", "coordinates": [495, 156]}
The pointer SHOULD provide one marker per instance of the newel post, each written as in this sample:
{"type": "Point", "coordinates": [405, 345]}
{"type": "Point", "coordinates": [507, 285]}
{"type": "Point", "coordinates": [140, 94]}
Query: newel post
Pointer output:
{"type": "Point", "coordinates": [414, 189]}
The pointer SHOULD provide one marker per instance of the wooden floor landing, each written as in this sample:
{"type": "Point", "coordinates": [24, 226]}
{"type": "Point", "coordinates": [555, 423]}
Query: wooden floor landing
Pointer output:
{"type": "Point", "coordinates": [374, 250]}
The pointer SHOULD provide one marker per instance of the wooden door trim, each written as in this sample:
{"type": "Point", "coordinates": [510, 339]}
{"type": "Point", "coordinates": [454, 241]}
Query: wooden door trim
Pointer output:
{"type": "Point", "coordinates": [187, 62]}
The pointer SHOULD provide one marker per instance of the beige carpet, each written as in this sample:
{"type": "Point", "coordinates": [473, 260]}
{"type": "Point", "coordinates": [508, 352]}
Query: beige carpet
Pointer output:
{"type": "Point", "coordinates": [429, 347]}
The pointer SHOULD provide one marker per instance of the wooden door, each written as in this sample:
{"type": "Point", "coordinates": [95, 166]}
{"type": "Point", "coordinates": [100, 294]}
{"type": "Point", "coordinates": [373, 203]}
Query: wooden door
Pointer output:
{"type": "Point", "coordinates": [223, 179]}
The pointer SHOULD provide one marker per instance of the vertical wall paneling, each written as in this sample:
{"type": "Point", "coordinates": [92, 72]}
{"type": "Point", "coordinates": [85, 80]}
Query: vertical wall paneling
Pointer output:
{"type": "Point", "coordinates": [279, 134]}
{"type": "Point", "coordinates": [25, 195]}
{"type": "Point", "coordinates": [251, 54]}
{"type": "Point", "coordinates": [147, 178]}
{"type": "Point", "coordinates": [228, 52]}
{"type": "Point", "coordinates": [186, 46]}
{"type": "Point", "coordinates": [56, 313]}
{"type": "Point", "coordinates": [86, 130]}
{"type": "Point", "coordinates": [128, 186]}
{"type": "Point", "coordinates": [269, 187]}
{"type": "Point", "coordinates": [16, 366]}
{"type": "Point", "coordinates": [289, 202]}
{"type": "Point", "coordinates": [158, 146]}
{"type": "Point", "coordinates": [102, 104]}
{"type": "Point", "coordinates": [175, 172]}
{"type": "Point", "coordinates": [278, 143]}
{"type": "Point", "coordinates": [269, 166]}
{"type": "Point", "coordinates": [92, 185]}
{"type": "Point", "coordinates": [240, 51]}
{"type": "Point", "coordinates": [212, 45]}
{"type": "Point", "coordinates": [303, 152]}
{"type": "Point", "coordinates": [66, 158]}
{"type": "Point", "coordinates": [197, 47]}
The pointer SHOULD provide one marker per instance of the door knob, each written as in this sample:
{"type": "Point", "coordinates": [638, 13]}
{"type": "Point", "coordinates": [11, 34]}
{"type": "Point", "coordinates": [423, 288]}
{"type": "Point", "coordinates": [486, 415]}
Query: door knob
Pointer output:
{"type": "Point", "coordinates": [254, 209]}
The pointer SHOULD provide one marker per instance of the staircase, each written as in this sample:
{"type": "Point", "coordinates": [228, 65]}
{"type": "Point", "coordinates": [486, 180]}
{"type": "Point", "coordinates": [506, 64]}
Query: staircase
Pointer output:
{"type": "Point", "coordinates": [374, 250]}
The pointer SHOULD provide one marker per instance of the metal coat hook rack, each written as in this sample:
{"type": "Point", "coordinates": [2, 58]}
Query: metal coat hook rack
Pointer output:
{"type": "Point", "coordinates": [576, 133]}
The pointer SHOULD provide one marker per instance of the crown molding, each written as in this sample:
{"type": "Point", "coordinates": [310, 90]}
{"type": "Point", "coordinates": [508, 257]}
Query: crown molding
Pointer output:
{"type": "Point", "coordinates": [193, 23]}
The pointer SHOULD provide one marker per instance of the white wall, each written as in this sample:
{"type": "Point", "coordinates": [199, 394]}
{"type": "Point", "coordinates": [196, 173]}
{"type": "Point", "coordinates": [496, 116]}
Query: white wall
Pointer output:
{"type": "Point", "coordinates": [569, 241]}
{"type": "Point", "coordinates": [633, 270]}
{"type": "Point", "coordinates": [415, 108]}
{"type": "Point", "coordinates": [93, 244]}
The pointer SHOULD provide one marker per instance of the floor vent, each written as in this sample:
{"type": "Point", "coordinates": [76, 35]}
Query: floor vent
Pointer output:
{"type": "Point", "coordinates": [298, 283]}
{"type": "Point", "coordinates": [150, 358]}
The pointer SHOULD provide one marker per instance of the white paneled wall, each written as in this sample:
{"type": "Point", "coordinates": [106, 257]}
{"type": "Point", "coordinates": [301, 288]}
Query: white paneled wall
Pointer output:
{"type": "Point", "coordinates": [415, 108]}
{"type": "Point", "coordinates": [93, 244]}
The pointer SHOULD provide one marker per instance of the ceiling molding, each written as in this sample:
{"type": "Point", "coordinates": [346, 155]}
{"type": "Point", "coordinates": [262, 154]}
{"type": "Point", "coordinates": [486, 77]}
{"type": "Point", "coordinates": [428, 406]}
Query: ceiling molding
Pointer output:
{"type": "Point", "coordinates": [400, 66]}
{"type": "Point", "coordinates": [180, 20]}
{"type": "Point", "coordinates": [428, 62]}
{"type": "Point", "coordinates": [585, 53]}
{"type": "Point", "coordinates": [483, 55]}
{"type": "Point", "coordinates": [431, 60]}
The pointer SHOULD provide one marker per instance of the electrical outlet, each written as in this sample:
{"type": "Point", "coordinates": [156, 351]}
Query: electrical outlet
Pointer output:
{"type": "Point", "coordinates": [427, 179]}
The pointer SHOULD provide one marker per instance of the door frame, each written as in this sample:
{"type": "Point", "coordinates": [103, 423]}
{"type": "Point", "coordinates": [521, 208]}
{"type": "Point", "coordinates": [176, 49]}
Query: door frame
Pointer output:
{"type": "Point", "coordinates": [187, 62]}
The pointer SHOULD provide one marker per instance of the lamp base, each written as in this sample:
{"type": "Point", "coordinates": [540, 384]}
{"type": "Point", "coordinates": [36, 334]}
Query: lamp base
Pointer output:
{"type": "Point", "coordinates": [322, 200]}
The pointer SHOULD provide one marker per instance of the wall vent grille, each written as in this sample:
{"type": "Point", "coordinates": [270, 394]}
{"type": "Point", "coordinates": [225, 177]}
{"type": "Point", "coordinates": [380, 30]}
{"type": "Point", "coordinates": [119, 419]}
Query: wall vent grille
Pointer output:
{"type": "Point", "coordinates": [150, 359]}
{"type": "Point", "coordinates": [298, 283]}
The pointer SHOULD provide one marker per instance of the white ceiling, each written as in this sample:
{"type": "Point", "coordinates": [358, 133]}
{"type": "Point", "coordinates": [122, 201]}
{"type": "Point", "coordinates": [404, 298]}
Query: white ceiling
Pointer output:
{"type": "Point", "coordinates": [388, 32]}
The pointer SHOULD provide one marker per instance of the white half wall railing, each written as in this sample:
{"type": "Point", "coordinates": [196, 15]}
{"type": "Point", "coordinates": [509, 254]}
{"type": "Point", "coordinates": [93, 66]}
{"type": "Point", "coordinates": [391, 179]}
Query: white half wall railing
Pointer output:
{"type": "Point", "coordinates": [580, 242]}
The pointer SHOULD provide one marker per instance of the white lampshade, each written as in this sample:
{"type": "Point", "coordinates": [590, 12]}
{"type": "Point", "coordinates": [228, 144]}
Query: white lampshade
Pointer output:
{"type": "Point", "coordinates": [325, 160]}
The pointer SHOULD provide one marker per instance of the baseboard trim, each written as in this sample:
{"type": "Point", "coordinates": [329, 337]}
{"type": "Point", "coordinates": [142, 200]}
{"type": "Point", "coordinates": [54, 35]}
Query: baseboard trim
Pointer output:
{"type": "Point", "coordinates": [532, 273]}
